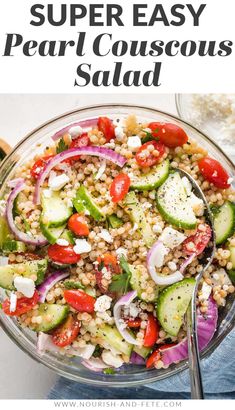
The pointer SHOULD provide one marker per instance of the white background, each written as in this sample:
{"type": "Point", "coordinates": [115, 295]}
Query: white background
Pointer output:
{"type": "Point", "coordinates": [57, 74]}
{"type": "Point", "coordinates": [20, 376]}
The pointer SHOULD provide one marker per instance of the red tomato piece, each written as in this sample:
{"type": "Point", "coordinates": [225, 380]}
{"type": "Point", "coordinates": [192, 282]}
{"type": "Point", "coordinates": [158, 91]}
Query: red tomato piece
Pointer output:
{"type": "Point", "coordinates": [80, 300]}
{"type": "Point", "coordinates": [78, 224]}
{"type": "Point", "coordinates": [169, 134]}
{"type": "Point", "coordinates": [119, 187]}
{"type": "Point", "coordinates": [153, 358]}
{"type": "Point", "coordinates": [151, 332]}
{"type": "Point", "coordinates": [156, 355]}
{"type": "Point", "coordinates": [39, 166]}
{"type": "Point", "coordinates": [146, 157]}
{"type": "Point", "coordinates": [214, 172]}
{"type": "Point", "coordinates": [67, 332]}
{"type": "Point", "coordinates": [23, 305]}
{"type": "Point", "coordinates": [63, 254]}
{"type": "Point", "coordinates": [81, 141]}
{"type": "Point", "coordinates": [196, 244]}
{"type": "Point", "coordinates": [111, 264]}
{"type": "Point", "coordinates": [134, 323]}
{"type": "Point", "coordinates": [106, 126]}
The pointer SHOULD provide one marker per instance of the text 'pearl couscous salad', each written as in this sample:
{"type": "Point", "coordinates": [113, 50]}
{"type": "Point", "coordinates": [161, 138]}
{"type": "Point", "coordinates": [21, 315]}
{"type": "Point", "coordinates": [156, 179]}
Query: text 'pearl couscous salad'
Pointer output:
{"type": "Point", "coordinates": [101, 239]}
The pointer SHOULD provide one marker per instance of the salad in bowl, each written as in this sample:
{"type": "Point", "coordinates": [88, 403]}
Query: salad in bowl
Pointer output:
{"type": "Point", "coordinates": [101, 240]}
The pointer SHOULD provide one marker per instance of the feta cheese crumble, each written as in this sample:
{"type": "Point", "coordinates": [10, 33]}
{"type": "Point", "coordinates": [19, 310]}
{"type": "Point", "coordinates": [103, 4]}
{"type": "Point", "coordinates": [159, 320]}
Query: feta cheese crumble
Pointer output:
{"type": "Point", "coordinates": [119, 133]}
{"type": "Point", "coordinates": [109, 358]}
{"type": "Point", "coordinates": [171, 237]}
{"type": "Point", "coordinates": [121, 251]}
{"type": "Point", "coordinates": [103, 303]}
{"type": "Point", "coordinates": [101, 170]}
{"type": "Point", "coordinates": [134, 142]}
{"type": "Point", "coordinates": [81, 246]}
{"type": "Point", "coordinates": [13, 302]}
{"type": "Point", "coordinates": [62, 242]}
{"type": "Point", "coordinates": [25, 286]}
{"type": "Point", "coordinates": [58, 182]}
{"type": "Point", "coordinates": [75, 131]}
{"type": "Point", "coordinates": [105, 235]}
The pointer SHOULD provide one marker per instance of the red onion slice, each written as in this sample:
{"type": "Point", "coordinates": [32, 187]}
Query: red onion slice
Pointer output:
{"type": "Point", "coordinates": [206, 327]}
{"type": "Point", "coordinates": [22, 236]}
{"type": "Point", "coordinates": [92, 122]}
{"type": "Point", "coordinates": [95, 364]}
{"type": "Point", "coordinates": [101, 152]}
{"type": "Point", "coordinates": [44, 343]}
{"type": "Point", "coordinates": [49, 282]}
{"type": "Point", "coordinates": [187, 262]}
{"type": "Point", "coordinates": [124, 301]}
{"type": "Point", "coordinates": [136, 359]}
{"type": "Point", "coordinates": [153, 258]}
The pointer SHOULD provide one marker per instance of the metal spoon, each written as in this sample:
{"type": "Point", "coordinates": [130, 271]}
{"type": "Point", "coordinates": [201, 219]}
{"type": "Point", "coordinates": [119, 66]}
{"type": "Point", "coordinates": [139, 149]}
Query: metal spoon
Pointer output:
{"type": "Point", "coordinates": [191, 315]}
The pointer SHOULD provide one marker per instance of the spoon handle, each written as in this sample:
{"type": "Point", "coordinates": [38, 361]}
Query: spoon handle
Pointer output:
{"type": "Point", "coordinates": [193, 351]}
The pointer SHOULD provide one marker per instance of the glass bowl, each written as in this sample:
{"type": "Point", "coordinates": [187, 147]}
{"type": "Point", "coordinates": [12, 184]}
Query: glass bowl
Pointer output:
{"type": "Point", "coordinates": [71, 368]}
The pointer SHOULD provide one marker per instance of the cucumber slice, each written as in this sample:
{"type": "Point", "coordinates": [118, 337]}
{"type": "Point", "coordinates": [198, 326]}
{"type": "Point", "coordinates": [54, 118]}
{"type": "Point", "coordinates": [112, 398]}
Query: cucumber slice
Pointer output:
{"type": "Point", "coordinates": [172, 203]}
{"type": "Point", "coordinates": [232, 255]}
{"type": "Point", "coordinates": [13, 246]}
{"type": "Point", "coordinates": [136, 213]}
{"type": "Point", "coordinates": [142, 351]}
{"type": "Point", "coordinates": [58, 314]}
{"type": "Point", "coordinates": [224, 222]}
{"type": "Point", "coordinates": [135, 282]}
{"type": "Point", "coordinates": [26, 269]}
{"type": "Point", "coordinates": [85, 202]}
{"type": "Point", "coordinates": [51, 234]}
{"type": "Point", "coordinates": [112, 336]}
{"type": "Point", "coordinates": [153, 179]}
{"type": "Point", "coordinates": [114, 221]}
{"type": "Point", "coordinates": [231, 274]}
{"type": "Point", "coordinates": [68, 236]}
{"type": "Point", "coordinates": [4, 231]}
{"type": "Point", "coordinates": [55, 212]}
{"type": "Point", "coordinates": [173, 303]}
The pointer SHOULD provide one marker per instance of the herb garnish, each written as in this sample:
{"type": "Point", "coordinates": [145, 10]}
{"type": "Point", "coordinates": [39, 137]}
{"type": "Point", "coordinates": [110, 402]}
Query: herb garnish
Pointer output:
{"type": "Point", "coordinates": [62, 146]}
{"type": "Point", "coordinates": [120, 283]}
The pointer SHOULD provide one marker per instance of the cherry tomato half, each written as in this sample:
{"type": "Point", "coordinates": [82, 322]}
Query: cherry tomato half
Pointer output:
{"type": "Point", "coordinates": [134, 323]}
{"type": "Point", "coordinates": [67, 332]}
{"type": "Point", "coordinates": [151, 332]}
{"type": "Point", "coordinates": [156, 355]}
{"type": "Point", "coordinates": [63, 254]}
{"type": "Point", "coordinates": [119, 187]}
{"type": "Point", "coordinates": [200, 241]}
{"type": "Point", "coordinates": [81, 141]}
{"type": "Point", "coordinates": [23, 305]}
{"type": "Point", "coordinates": [78, 224]}
{"type": "Point", "coordinates": [80, 300]}
{"type": "Point", "coordinates": [146, 158]}
{"type": "Point", "coordinates": [39, 166]}
{"type": "Point", "coordinates": [111, 264]}
{"type": "Point", "coordinates": [213, 172]}
{"type": "Point", "coordinates": [106, 126]}
{"type": "Point", "coordinates": [169, 134]}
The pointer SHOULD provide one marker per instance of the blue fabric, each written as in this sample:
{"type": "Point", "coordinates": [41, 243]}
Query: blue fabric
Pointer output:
{"type": "Point", "coordinates": [218, 380]}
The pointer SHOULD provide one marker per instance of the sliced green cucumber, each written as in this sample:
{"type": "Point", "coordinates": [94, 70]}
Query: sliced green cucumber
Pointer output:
{"type": "Point", "coordinates": [112, 336]}
{"type": "Point", "coordinates": [153, 179]}
{"type": "Point", "coordinates": [51, 234]}
{"type": "Point", "coordinates": [232, 255]}
{"type": "Point", "coordinates": [13, 246]}
{"type": "Point", "coordinates": [4, 231]}
{"type": "Point", "coordinates": [135, 282]}
{"type": "Point", "coordinates": [26, 269]}
{"type": "Point", "coordinates": [172, 305]}
{"type": "Point", "coordinates": [173, 204]}
{"type": "Point", "coordinates": [224, 222]}
{"type": "Point", "coordinates": [231, 274]}
{"type": "Point", "coordinates": [55, 212]}
{"type": "Point", "coordinates": [58, 314]}
{"type": "Point", "coordinates": [68, 236]}
{"type": "Point", "coordinates": [114, 221]}
{"type": "Point", "coordinates": [85, 202]}
{"type": "Point", "coordinates": [142, 351]}
{"type": "Point", "coordinates": [136, 213]}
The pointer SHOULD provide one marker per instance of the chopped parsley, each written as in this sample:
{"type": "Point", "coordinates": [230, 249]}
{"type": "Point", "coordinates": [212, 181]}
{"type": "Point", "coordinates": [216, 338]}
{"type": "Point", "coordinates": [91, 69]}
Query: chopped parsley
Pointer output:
{"type": "Point", "coordinates": [120, 283]}
{"type": "Point", "coordinates": [97, 351]}
{"type": "Point", "coordinates": [109, 370]}
{"type": "Point", "coordinates": [62, 146]}
{"type": "Point", "coordinates": [70, 284]}
{"type": "Point", "coordinates": [149, 136]}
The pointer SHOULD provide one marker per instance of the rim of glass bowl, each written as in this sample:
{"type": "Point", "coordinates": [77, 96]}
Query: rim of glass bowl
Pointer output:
{"type": "Point", "coordinates": [118, 380]}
